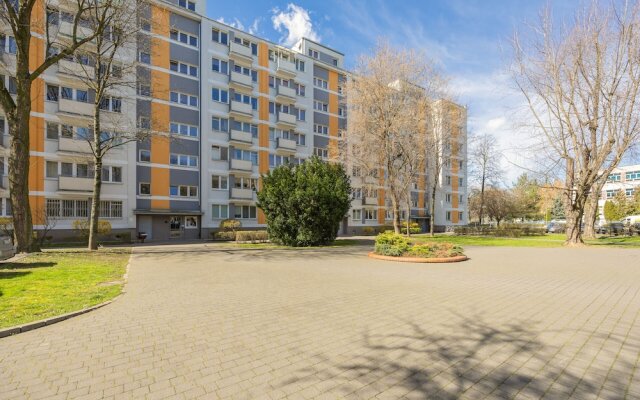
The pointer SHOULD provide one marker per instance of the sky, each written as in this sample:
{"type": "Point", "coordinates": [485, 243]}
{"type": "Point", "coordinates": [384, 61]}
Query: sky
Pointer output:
{"type": "Point", "coordinates": [468, 39]}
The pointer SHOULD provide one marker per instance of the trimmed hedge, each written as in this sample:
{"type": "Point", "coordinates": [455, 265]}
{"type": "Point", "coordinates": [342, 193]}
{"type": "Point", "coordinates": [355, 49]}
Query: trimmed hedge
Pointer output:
{"type": "Point", "coordinates": [252, 236]}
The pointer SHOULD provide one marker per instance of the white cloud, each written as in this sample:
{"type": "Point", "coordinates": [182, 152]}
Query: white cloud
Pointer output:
{"type": "Point", "coordinates": [236, 23]}
{"type": "Point", "coordinates": [495, 124]}
{"type": "Point", "coordinates": [296, 21]}
{"type": "Point", "coordinates": [253, 29]}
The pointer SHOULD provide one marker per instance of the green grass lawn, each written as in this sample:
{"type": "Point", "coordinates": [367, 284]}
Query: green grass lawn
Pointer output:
{"type": "Point", "coordinates": [51, 283]}
{"type": "Point", "coordinates": [550, 240]}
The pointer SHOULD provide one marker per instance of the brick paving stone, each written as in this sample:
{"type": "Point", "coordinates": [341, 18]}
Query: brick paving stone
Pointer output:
{"type": "Point", "coordinates": [202, 321]}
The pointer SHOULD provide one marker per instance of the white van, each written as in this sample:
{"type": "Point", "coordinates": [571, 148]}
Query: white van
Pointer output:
{"type": "Point", "coordinates": [631, 219]}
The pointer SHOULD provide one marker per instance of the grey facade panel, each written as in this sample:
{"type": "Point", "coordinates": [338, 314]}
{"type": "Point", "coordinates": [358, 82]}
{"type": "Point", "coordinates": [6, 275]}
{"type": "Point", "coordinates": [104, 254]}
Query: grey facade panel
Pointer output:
{"type": "Point", "coordinates": [185, 205]}
{"type": "Point", "coordinates": [320, 118]}
{"type": "Point", "coordinates": [321, 95]}
{"type": "Point", "coordinates": [320, 72]}
{"type": "Point", "coordinates": [143, 204]}
{"type": "Point", "coordinates": [324, 57]}
{"type": "Point", "coordinates": [320, 141]}
{"type": "Point", "coordinates": [184, 54]}
{"type": "Point", "coordinates": [342, 123]}
{"type": "Point", "coordinates": [184, 85]}
{"type": "Point", "coordinates": [184, 146]}
{"type": "Point", "coordinates": [143, 174]}
{"type": "Point", "coordinates": [184, 24]}
{"type": "Point", "coordinates": [184, 116]}
{"type": "Point", "coordinates": [143, 108]}
{"type": "Point", "coordinates": [181, 177]}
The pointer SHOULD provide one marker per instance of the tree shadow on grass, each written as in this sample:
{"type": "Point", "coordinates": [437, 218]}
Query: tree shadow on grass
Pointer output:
{"type": "Point", "coordinates": [467, 358]}
{"type": "Point", "coordinates": [27, 265]}
{"type": "Point", "coordinates": [12, 274]}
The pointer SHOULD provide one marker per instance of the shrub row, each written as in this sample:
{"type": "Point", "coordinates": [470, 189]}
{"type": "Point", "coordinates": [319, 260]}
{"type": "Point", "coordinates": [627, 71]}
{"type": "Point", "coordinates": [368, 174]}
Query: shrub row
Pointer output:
{"type": "Point", "coordinates": [502, 231]}
{"type": "Point", "coordinates": [252, 236]}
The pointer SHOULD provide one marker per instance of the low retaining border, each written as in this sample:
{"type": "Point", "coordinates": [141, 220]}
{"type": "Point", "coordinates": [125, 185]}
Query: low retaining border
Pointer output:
{"type": "Point", "coordinates": [418, 259]}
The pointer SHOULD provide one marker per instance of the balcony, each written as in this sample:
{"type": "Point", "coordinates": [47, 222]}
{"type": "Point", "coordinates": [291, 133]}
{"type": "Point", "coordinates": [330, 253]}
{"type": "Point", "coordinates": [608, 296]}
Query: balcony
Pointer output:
{"type": "Point", "coordinates": [238, 51]}
{"type": "Point", "coordinates": [75, 107]}
{"type": "Point", "coordinates": [241, 137]}
{"type": "Point", "coordinates": [286, 119]}
{"type": "Point", "coordinates": [240, 80]}
{"type": "Point", "coordinates": [243, 194]}
{"type": "Point", "coordinates": [285, 94]}
{"type": "Point", "coordinates": [76, 69]}
{"type": "Point", "coordinates": [370, 201]}
{"type": "Point", "coordinates": [73, 145]}
{"type": "Point", "coordinates": [66, 29]}
{"type": "Point", "coordinates": [4, 182]}
{"type": "Point", "coordinates": [286, 144]}
{"type": "Point", "coordinates": [240, 109]}
{"type": "Point", "coordinates": [241, 165]}
{"type": "Point", "coordinates": [371, 180]}
{"type": "Point", "coordinates": [286, 68]}
{"type": "Point", "coordinates": [75, 184]}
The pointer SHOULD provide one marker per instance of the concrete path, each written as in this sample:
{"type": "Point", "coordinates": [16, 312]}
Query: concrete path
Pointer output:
{"type": "Point", "coordinates": [201, 322]}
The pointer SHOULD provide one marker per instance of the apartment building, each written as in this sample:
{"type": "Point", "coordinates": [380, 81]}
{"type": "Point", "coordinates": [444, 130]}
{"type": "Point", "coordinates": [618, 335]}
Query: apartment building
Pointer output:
{"type": "Point", "coordinates": [226, 106]}
{"type": "Point", "coordinates": [625, 179]}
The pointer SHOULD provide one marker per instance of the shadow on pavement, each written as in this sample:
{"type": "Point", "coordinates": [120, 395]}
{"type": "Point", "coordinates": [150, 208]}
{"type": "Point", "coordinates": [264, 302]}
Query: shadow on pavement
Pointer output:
{"type": "Point", "coordinates": [468, 358]}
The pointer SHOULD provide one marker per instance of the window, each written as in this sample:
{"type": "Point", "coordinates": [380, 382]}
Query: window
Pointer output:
{"type": "Point", "coordinates": [460, 181]}
{"type": "Point", "coordinates": [628, 192]}
{"type": "Point", "coordinates": [611, 194]}
{"type": "Point", "coordinates": [112, 174]}
{"type": "Point", "coordinates": [341, 111]}
{"type": "Point", "coordinates": [320, 106]}
{"type": "Point", "coordinates": [144, 57]}
{"type": "Point", "coordinates": [52, 130]}
{"type": "Point", "coordinates": [53, 92]}
{"type": "Point", "coordinates": [244, 212]}
{"type": "Point", "coordinates": [189, 5]}
{"type": "Point", "coordinates": [144, 189]}
{"type": "Point", "coordinates": [183, 191]}
{"type": "Point", "coordinates": [448, 216]}
{"type": "Point", "coordinates": [370, 214]}
{"type": "Point", "coordinates": [144, 89]}
{"type": "Point", "coordinates": [246, 99]}
{"type": "Point", "coordinates": [219, 36]}
{"type": "Point", "coordinates": [614, 177]}
{"type": "Point", "coordinates": [448, 180]}
{"type": "Point", "coordinates": [219, 182]}
{"type": "Point", "coordinates": [321, 129]}
{"type": "Point", "coordinates": [276, 160]}
{"type": "Point", "coordinates": [183, 37]}
{"type": "Point", "coordinates": [220, 95]}
{"type": "Point", "coordinates": [183, 129]}
{"type": "Point", "coordinates": [245, 127]}
{"type": "Point", "coordinates": [84, 171]}
{"type": "Point", "coordinates": [144, 156]}
{"type": "Point", "coordinates": [219, 211]}
{"type": "Point", "coordinates": [448, 197]}
{"type": "Point", "coordinates": [183, 68]}
{"type": "Point", "coordinates": [314, 54]}
{"type": "Point", "coordinates": [183, 160]}
{"type": "Point", "coordinates": [460, 215]}
{"type": "Point", "coordinates": [300, 65]}
{"type": "Point", "coordinates": [220, 124]}
{"type": "Point", "coordinates": [356, 193]}
{"type": "Point", "coordinates": [632, 176]}
{"type": "Point", "coordinates": [300, 89]}
{"type": "Point", "coordinates": [113, 104]}
{"type": "Point", "coordinates": [356, 171]}
{"type": "Point", "coordinates": [246, 155]}
{"type": "Point", "coordinates": [356, 215]}
{"type": "Point", "coordinates": [184, 99]}
{"type": "Point", "coordinates": [241, 182]}
{"type": "Point", "coordinates": [220, 66]}
{"type": "Point", "coordinates": [321, 83]}
{"type": "Point", "coordinates": [335, 62]}
{"type": "Point", "coordinates": [322, 153]}
{"type": "Point", "coordinates": [52, 169]}
{"type": "Point", "coordinates": [219, 153]}
{"type": "Point", "coordinates": [8, 44]}
{"type": "Point", "coordinates": [144, 122]}
{"type": "Point", "coordinates": [247, 71]}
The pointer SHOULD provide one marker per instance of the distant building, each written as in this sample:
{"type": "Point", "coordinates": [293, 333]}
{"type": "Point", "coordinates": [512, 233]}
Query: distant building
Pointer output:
{"type": "Point", "coordinates": [626, 179]}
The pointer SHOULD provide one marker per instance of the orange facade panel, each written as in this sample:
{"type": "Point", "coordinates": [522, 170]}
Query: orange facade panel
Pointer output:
{"type": "Point", "coordinates": [159, 117]}
{"type": "Point", "coordinates": [263, 55]}
{"type": "Point", "coordinates": [160, 148]}
{"type": "Point", "coordinates": [263, 161]}
{"type": "Point", "coordinates": [36, 53]}
{"type": "Point", "coordinates": [37, 205]}
{"type": "Point", "coordinates": [263, 135]}
{"type": "Point", "coordinates": [36, 134]}
{"type": "Point", "coordinates": [36, 173]}
{"type": "Point", "coordinates": [160, 21]}
{"type": "Point", "coordinates": [333, 81]}
{"type": "Point", "coordinates": [160, 84]}
{"type": "Point", "coordinates": [160, 53]}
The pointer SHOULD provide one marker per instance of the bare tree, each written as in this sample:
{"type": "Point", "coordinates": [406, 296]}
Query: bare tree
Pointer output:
{"type": "Point", "coordinates": [387, 97]}
{"type": "Point", "coordinates": [499, 204]}
{"type": "Point", "coordinates": [484, 157]}
{"type": "Point", "coordinates": [582, 83]}
{"type": "Point", "coordinates": [111, 70]}
{"type": "Point", "coordinates": [28, 22]}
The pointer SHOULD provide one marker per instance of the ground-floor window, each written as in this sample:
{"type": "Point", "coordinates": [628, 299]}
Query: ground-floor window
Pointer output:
{"type": "Point", "coordinates": [81, 208]}
{"type": "Point", "coordinates": [245, 212]}
{"type": "Point", "coordinates": [370, 214]}
{"type": "Point", "coordinates": [219, 211]}
{"type": "Point", "coordinates": [191, 222]}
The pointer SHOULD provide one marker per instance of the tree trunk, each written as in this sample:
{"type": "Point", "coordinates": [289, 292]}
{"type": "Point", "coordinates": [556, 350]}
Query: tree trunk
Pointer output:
{"type": "Point", "coordinates": [409, 215]}
{"type": "Point", "coordinates": [574, 231]}
{"type": "Point", "coordinates": [590, 215]}
{"type": "Point", "coordinates": [396, 214]}
{"type": "Point", "coordinates": [97, 178]}
{"type": "Point", "coordinates": [95, 205]}
{"type": "Point", "coordinates": [19, 158]}
{"type": "Point", "coordinates": [432, 210]}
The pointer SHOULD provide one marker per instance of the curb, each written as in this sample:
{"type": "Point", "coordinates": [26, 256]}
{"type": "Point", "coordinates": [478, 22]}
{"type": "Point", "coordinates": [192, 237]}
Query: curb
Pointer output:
{"type": "Point", "coordinates": [53, 320]}
{"type": "Point", "coordinates": [419, 259]}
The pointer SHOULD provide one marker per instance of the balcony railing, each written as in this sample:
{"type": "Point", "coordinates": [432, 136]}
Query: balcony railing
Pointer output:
{"type": "Point", "coordinates": [241, 165]}
{"type": "Point", "coordinates": [241, 136]}
{"type": "Point", "coordinates": [241, 108]}
{"type": "Point", "coordinates": [371, 201]}
{"type": "Point", "coordinates": [286, 68]}
{"type": "Point", "coordinates": [75, 107]}
{"type": "Point", "coordinates": [286, 119]}
{"type": "Point", "coordinates": [236, 49]}
{"type": "Point", "coordinates": [75, 184]}
{"type": "Point", "coordinates": [240, 79]}
{"type": "Point", "coordinates": [73, 145]}
{"type": "Point", "coordinates": [285, 94]}
{"type": "Point", "coordinates": [286, 144]}
{"type": "Point", "coordinates": [243, 194]}
{"type": "Point", "coordinates": [77, 69]}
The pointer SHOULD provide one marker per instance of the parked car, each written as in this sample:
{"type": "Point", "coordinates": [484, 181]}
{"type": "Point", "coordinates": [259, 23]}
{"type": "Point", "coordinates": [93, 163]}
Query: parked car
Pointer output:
{"type": "Point", "coordinates": [556, 227]}
{"type": "Point", "coordinates": [612, 228]}
{"type": "Point", "coordinates": [635, 228]}
{"type": "Point", "coordinates": [6, 247]}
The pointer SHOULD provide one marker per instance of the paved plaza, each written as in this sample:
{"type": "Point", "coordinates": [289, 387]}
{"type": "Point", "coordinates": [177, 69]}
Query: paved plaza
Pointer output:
{"type": "Point", "coordinates": [200, 321]}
